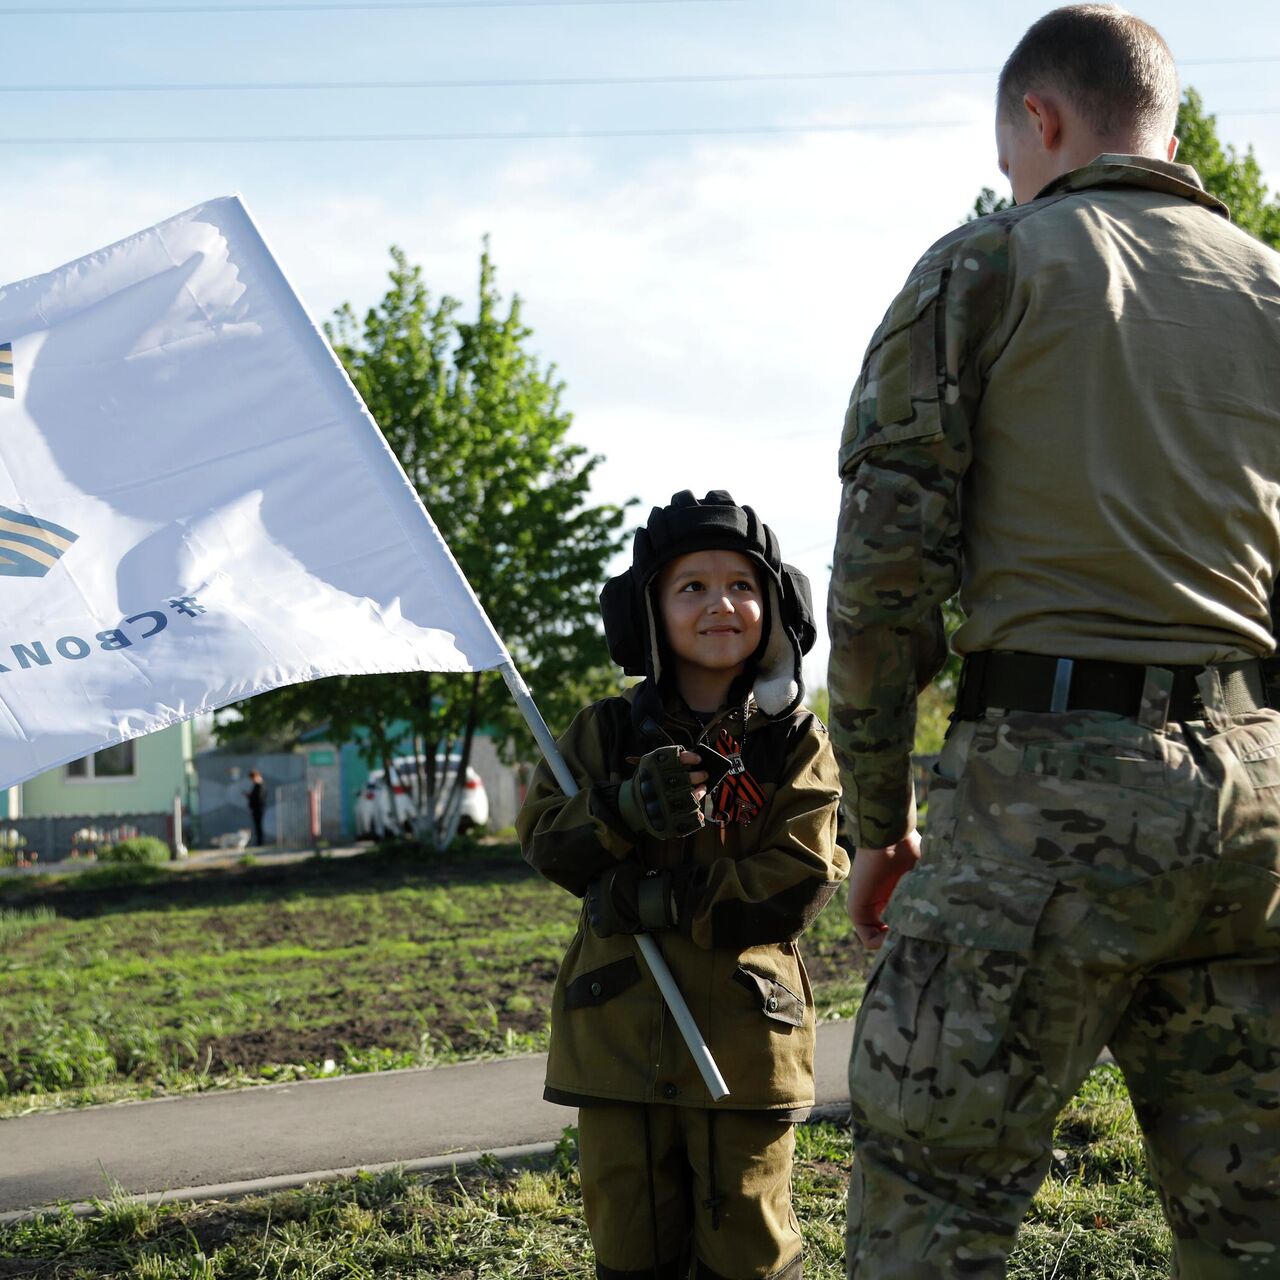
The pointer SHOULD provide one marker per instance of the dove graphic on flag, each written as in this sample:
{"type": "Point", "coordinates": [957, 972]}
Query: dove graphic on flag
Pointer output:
{"type": "Point", "coordinates": [195, 505]}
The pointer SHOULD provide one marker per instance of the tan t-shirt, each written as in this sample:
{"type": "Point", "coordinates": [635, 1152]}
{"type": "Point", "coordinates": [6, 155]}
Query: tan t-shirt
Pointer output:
{"type": "Point", "coordinates": [1124, 496]}
{"type": "Point", "coordinates": [1071, 412]}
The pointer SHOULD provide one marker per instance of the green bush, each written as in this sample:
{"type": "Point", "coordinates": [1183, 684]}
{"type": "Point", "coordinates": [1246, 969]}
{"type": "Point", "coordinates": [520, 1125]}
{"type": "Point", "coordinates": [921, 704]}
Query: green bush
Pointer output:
{"type": "Point", "coordinates": [139, 849]}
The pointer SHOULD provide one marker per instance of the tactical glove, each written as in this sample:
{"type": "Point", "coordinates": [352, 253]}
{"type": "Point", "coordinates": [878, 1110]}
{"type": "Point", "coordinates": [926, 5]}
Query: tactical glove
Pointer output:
{"type": "Point", "coordinates": [658, 799]}
{"type": "Point", "coordinates": [626, 900]}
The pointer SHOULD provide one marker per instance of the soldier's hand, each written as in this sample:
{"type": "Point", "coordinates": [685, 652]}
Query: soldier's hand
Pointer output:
{"type": "Point", "coordinates": [664, 796]}
{"type": "Point", "coordinates": [872, 879]}
{"type": "Point", "coordinates": [625, 899]}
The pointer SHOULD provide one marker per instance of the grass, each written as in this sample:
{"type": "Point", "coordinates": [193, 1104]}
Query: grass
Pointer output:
{"type": "Point", "coordinates": [136, 981]}
{"type": "Point", "coordinates": [1095, 1217]}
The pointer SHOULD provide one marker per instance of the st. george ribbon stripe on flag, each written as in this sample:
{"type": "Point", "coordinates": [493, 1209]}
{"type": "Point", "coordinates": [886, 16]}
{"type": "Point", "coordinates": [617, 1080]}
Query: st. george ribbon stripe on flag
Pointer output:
{"type": "Point", "coordinates": [195, 504]}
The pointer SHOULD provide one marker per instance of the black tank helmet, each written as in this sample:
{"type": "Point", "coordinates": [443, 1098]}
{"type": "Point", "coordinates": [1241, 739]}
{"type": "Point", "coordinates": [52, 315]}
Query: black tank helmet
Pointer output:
{"type": "Point", "coordinates": [714, 523]}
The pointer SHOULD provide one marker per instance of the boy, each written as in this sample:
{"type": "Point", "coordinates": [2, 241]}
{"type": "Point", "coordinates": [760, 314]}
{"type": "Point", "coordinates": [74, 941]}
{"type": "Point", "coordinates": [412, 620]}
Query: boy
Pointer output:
{"type": "Point", "coordinates": [707, 817]}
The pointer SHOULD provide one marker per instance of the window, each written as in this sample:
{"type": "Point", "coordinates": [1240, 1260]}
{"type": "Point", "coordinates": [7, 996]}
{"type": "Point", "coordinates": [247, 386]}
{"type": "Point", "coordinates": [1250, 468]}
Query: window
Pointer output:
{"type": "Point", "coordinates": [110, 762]}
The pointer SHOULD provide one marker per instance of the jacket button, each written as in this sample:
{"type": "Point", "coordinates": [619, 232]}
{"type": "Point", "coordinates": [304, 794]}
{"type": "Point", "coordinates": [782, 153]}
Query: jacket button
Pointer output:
{"type": "Point", "coordinates": [669, 1091]}
{"type": "Point", "coordinates": [772, 1004]}
{"type": "Point", "coordinates": [597, 989]}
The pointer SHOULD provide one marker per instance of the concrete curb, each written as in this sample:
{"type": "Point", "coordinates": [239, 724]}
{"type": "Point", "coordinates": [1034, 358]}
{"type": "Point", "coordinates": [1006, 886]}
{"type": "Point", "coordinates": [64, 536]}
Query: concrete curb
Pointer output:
{"type": "Point", "coordinates": [534, 1155]}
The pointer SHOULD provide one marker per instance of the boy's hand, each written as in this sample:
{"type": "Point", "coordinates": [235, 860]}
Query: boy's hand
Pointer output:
{"type": "Point", "coordinates": [626, 900]}
{"type": "Point", "coordinates": [664, 798]}
{"type": "Point", "coordinates": [872, 879]}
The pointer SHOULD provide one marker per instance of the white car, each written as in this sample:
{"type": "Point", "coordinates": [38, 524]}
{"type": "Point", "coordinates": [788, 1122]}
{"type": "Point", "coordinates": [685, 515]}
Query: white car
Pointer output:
{"type": "Point", "coordinates": [383, 811]}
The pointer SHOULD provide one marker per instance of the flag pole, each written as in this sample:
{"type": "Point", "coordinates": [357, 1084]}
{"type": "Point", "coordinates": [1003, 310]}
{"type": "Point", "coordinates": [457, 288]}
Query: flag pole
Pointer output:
{"type": "Point", "coordinates": [649, 948]}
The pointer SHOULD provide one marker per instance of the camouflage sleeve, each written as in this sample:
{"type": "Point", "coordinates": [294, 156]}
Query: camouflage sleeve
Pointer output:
{"type": "Point", "coordinates": [570, 841]}
{"type": "Point", "coordinates": [775, 893]}
{"type": "Point", "coordinates": [903, 454]}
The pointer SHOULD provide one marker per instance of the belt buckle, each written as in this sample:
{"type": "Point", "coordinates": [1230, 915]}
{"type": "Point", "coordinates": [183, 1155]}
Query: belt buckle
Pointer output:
{"type": "Point", "coordinates": [1061, 685]}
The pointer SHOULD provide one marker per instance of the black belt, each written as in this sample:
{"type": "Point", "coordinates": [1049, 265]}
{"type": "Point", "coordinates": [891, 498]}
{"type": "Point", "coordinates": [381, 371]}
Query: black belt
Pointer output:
{"type": "Point", "coordinates": [1038, 682]}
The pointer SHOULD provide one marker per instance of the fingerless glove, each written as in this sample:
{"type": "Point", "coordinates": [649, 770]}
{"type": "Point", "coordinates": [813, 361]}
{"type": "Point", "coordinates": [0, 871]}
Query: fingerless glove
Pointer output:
{"type": "Point", "coordinates": [658, 799]}
{"type": "Point", "coordinates": [626, 900]}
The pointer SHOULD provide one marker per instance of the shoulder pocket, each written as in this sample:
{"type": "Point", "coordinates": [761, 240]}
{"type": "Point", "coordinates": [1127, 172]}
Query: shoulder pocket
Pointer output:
{"type": "Point", "coordinates": [898, 394]}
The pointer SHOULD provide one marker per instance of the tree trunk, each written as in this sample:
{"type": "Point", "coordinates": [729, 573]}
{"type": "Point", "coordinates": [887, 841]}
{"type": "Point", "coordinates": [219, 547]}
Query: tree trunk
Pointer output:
{"type": "Point", "coordinates": [453, 810]}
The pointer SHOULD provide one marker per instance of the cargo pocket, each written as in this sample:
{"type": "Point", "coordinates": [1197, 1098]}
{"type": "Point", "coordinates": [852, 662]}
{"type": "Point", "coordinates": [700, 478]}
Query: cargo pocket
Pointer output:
{"type": "Point", "coordinates": [1260, 756]}
{"type": "Point", "coordinates": [776, 1001]}
{"type": "Point", "coordinates": [597, 986]}
{"type": "Point", "coordinates": [937, 822]}
{"type": "Point", "coordinates": [931, 1058]}
{"type": "Point", "coordinates": [943, 780]}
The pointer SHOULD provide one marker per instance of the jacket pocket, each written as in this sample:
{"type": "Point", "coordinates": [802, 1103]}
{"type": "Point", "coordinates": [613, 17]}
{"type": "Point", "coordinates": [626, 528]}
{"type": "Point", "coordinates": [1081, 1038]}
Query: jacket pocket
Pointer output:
{"type": "Point", "coordinates": [934, 1057]}
{"type": "Point", "coordinates": [776, 1001]}
{"type": "Point", "coordinates": [597, 986]}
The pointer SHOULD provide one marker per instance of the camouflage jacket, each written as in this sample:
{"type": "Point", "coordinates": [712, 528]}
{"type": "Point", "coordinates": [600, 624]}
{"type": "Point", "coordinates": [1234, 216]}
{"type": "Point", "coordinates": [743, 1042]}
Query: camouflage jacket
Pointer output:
{"type": "Point", "coordinates": [1058, 366]}
{"type": "Point", "coordinates": [734, 957]}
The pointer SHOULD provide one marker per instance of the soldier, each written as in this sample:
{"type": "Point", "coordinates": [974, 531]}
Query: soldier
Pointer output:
{"type": "Point", "coordinates": [726, 882]}
{"type": "Point", "coordinates": [1072, 412]}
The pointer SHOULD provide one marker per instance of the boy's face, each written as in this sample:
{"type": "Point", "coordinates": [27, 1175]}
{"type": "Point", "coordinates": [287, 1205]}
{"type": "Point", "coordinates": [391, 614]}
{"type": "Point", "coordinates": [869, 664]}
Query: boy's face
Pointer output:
{"type": "Point", "coordinates": [712, 609]}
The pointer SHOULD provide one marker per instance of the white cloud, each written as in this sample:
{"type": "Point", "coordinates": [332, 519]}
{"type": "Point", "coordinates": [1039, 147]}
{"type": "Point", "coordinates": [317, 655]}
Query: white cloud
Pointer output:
{"type": "Point", "coordinates": [707, 308]}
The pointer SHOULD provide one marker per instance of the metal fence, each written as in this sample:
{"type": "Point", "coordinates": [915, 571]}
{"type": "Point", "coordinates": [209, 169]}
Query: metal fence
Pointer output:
{"type": "Point", "coordinates": [224, 788]}
{"type": "Point", "coordinates": [30, 841]}
{"type": "Point", "coordinates": [302, 816]}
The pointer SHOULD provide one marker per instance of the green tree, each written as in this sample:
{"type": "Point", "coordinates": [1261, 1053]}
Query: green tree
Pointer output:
{"type": "Point", "coordinates": [1234, 178]}
{"type": "Point", "coordinates": [479, 428]}
{"type": "Point", "coordinates": [988, 202]}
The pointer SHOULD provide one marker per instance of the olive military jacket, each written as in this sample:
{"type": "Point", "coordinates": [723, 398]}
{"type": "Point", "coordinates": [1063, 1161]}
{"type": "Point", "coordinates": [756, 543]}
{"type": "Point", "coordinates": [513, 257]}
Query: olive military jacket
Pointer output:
{"type": "Point", "coordinates": [754, 890]}
{"type": "Point", "coordinates": [1072, 413]}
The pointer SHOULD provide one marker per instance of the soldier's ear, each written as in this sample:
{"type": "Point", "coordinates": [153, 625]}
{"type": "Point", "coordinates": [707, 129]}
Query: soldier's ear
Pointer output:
{"type": "Point", "coordinates": [1173, 147]}
{"type": "Point", "coordinates": [1045, 118]}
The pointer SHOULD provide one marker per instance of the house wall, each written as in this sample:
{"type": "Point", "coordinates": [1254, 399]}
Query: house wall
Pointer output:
{"type": "Point", "coordinates": [160, 771]}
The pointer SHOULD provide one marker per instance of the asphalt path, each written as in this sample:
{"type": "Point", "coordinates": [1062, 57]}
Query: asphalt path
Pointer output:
{"type": "Point", "coordinates": [210, 1145]}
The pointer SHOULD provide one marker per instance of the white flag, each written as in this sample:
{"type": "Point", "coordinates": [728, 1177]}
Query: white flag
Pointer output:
{"type": "Point", "coordinates": [195, 505]}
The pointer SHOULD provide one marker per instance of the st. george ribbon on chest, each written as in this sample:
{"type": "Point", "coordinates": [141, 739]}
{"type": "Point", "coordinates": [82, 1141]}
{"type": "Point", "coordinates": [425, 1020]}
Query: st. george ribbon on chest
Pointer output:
{"type": "Point", "coordinates": [718, 766]}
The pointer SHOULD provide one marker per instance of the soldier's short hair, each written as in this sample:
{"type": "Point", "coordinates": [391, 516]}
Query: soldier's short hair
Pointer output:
{"type": "Point", "coordinates": [1116, 70]}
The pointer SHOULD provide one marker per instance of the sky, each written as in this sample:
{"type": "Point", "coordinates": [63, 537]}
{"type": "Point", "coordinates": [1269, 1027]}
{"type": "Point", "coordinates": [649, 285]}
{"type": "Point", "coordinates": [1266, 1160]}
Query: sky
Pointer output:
{"type": "Point", "coordinates": [704, 279]}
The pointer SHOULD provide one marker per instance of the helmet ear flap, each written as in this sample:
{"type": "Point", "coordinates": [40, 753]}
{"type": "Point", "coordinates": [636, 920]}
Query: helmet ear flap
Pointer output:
{"type": "Point", "coordinates": [625, 626]}
{"type": "Point", "coordinates": [797, 607]}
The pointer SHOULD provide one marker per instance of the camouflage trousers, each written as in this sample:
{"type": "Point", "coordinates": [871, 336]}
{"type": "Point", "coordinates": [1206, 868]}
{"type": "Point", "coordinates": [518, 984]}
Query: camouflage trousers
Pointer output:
{"type": "Point", "coordinates": [1085, 882]}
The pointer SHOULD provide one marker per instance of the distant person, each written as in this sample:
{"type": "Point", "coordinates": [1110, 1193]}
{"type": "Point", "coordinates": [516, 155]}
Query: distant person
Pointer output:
{"type": "Point", "coordinates": [726, 871]}
{"type": "Point", "coordinates": [257, 797]}
{"type": "Point", "coordinates": [1072, 413]}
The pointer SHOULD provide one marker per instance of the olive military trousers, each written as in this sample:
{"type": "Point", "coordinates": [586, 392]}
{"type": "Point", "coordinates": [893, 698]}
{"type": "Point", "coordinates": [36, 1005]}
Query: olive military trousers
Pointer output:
{"type": "Point", "coordinates": [710, 1190]}
{"type": "Point", "coordinates": [1085, 882]}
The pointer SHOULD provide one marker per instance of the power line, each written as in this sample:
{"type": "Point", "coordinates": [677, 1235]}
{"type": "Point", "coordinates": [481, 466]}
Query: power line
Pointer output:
{"type": "Point", "coordinates": [337, 6]}
{"type": "Point", "coordinates": [514, 83]}
{"type": "Point", "coordinates": [545, 82]}
{"type": "Point", "coordinates": [528, 135]}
